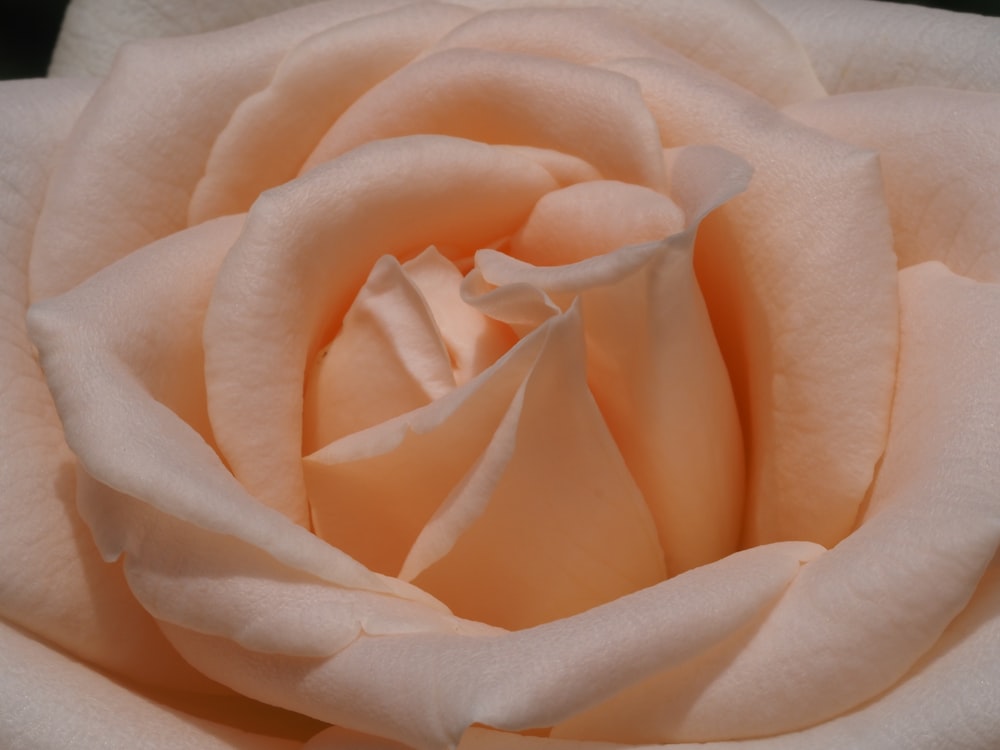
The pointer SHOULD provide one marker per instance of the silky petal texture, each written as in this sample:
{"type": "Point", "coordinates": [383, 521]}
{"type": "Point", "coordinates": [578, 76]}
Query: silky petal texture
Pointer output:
{"type": "Point", "coordinates": [859, 617]}
{"type": "Point", "coordinates": [653, 363]}
{"type": "Point", "coordinates": [106, 384]}
{"type": "Point", "coordinates": [142, 144]}
{"type": "Point", "coordinates": [425, 690]}
{"type": "Point", "coordinates": [273, 132]}
{"type": "Point", "coordinates": [803, 302]}
{"type": "Point", "coordinates": [512, 99]}
{"type": "Point", "coordinates": [940, 155]}
{"type": "Point", "coordinates": [302, 264]}
{"type": "Point", "coordinates": [51, 700]}
{"type": "Point", "coordinates": [735, 38]}
{"type": "Point", "coordinates": [550, 522]}
{"type": "Point", "coordinates": [857, 45]}
{"type": "Point", "coordinates": [388, 358]}
{"type": "Point", "coordinates": [54, 582]}
{"type": "Point", "coordinates": [356, 484]}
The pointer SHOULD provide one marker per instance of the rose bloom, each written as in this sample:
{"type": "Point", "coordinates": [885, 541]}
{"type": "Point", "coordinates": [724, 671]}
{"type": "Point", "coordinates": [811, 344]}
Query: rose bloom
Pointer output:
{"type": "Point", "coordinates": [390, 374]}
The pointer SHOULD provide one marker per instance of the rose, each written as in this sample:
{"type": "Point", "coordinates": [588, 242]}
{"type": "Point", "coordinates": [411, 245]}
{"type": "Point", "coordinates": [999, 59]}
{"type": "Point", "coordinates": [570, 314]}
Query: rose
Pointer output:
{"type": "Point", "coordinates": [858, 645]}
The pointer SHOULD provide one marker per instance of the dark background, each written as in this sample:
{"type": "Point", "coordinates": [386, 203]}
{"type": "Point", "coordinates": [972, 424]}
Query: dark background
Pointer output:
{"type": "Point", "coordinates": [28, 30]}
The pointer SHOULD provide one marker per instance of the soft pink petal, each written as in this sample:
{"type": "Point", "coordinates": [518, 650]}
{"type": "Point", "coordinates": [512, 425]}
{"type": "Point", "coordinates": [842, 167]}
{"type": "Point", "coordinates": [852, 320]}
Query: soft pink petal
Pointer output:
{"type": "Point", "coordinates": [507, 98]}
{"type": "Point", "coordinates": [860, 616]}
{"type": "Point", "coordinates": [652, 359]}
{"type": "Point", "coordinates": [860, 45]}
{"type": "Point", "coordinates": [387, 359]}
{"type": "Point", "coordinates": [799, 277]}
{"type": "Point", "coordinates": [52, 701]}
{"type": "Point", "coordinates": [735, 38]}
{"type": "Point", "coordinates": [372, 492]}
{"type": "Point", "coordinates": [549, 523]}
{"type": "Point", "coordinates": [302, 263]}
{"type": "Point", "coordinates": [424, 689]}
{"type": "Point", "coordinates": [137, 153]}
{"type": "Point", "coordinates": [940, 155]}
{"type": "Point", "coordinates": [54, 582]}
{"type": "Point", "coordinates": [273, 131]}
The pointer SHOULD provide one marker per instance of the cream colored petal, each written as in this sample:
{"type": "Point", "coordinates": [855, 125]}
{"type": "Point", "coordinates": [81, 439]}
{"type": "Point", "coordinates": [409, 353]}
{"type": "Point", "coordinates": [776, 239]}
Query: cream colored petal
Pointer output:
{"type": "Point", "coordinates": [940, 155]}
{"type": "Point", "coordinates": [424, 690]}
{"type": "Point", "coordinates": [735, 38]}
{"type": "Point", "coordinates": [273, 131]}
{"type": "Point", "coordinates": [53, 582]}
{"type": "Point", "coordinates": [93, 30]}
{"type": "Point", "coordinates": [859, 45]}
{"type": "Point", "coordinates": [506, 98]}
{"type": "Point", "coordinates": [652, 359]}
{"type": "Point", "coordinates": [550, 522]}
{"type": "Point", "coordinates": [859, 617]}
{"type": "Point", "coordinates": [474, 341]}
{"type": "Point", "coordinates": [106, 354]}
{"type": "Point", "coordinates": [388, 358]}
{"type": "Point", "coordinates": [304, 254]}
{"type": "Point", "coordinates": [51, 700]}
{"type": "Point", "coordinates": [137, 153]}
{"type": "Point", "coordinates": [372, 492]}
{"type": "Point", "coordinates": [799, 277]}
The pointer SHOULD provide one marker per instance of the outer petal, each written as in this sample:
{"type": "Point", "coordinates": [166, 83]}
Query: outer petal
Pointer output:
{"type": "Point", "coordinates": [940, 156]}
{"type": "Point", "coordinates": [859, 45]}
{"type": "Point", "coordinates": [142, 144]}
{"type": "Point", "coordinates": [53, 582]}
{"type": "Point", "coordinates": [50, 700]}
{"type": "Point", "coordinates": [859, 617]}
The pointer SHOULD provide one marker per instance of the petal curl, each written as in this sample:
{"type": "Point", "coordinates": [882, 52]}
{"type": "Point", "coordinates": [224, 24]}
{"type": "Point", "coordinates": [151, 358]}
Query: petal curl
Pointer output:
{"type": "Point", "coordinates": [799, 277]}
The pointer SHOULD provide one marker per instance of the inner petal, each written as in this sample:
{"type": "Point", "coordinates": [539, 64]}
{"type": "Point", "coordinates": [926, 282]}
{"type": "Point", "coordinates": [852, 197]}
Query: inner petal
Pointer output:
{"type": "Point", "coordinates": [549, 523]}
{"type": "Point", "coordinates": [387, 359]}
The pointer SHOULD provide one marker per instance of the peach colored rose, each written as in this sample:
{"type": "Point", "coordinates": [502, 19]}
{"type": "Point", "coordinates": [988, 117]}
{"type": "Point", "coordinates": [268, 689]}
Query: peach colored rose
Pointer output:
{"type": "Point", "coordinates": [505, 377]}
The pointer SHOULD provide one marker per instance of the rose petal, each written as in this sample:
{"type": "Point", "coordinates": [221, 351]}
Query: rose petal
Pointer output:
{"type": "Point", "coordinates": [302, 273]}
{"type": "Point", "coordinates": [373, 491]}
{"type": "Point", "coordinates": [51, 700]}
{"type": "Point", "coordinates": [388, 358]}
{"type": "Point", "coordinates": [273, 131]}
{"type": "Point", "coordinates": [803, 301]}
{"type": "Point", "coordinates": [857, 45]}
{"type": "Point", "coordinates": [859, 617]}
{"type": "Point", "coordinates": [735, 38]}
{"type": "Point", "coordinates": [549, 523]}
{"type": "Point", "coordinates": [653, 362]}
{"type": "Point", "coordinates": [142, 144]}
{"type": "Point", "coordinates": [425, 690]}
{"type": "Point", "coordinates": [940, 154]}
{"type": "Point", "coordinates": [54, 582]}
{"type": "Point", "coordinates": [515, 99]}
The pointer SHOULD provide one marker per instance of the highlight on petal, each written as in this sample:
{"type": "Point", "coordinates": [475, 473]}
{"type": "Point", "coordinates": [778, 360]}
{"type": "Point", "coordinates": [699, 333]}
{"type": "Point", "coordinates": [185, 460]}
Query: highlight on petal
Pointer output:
{"type": "Point", "coordinates": [273, 131]}
{"type": "Point", "coordinates": [858, 618]}
{"type": "Point", "coordinates": [424, 690]}
{"type": "Point", "coordinates": [505, 98]}
{"type": "Point", "coordinates": [304, 254]}
{"type": "Point", "coordinates": [939, 153]}
{"type": "Point", "coordinates": [803, 302]}
{"type": "Point", "coordinates": [54, 582]}
{"type": "Point", "coordinates": [51, 700]}
{"type": "Point", "coordinates": [857, 45]}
